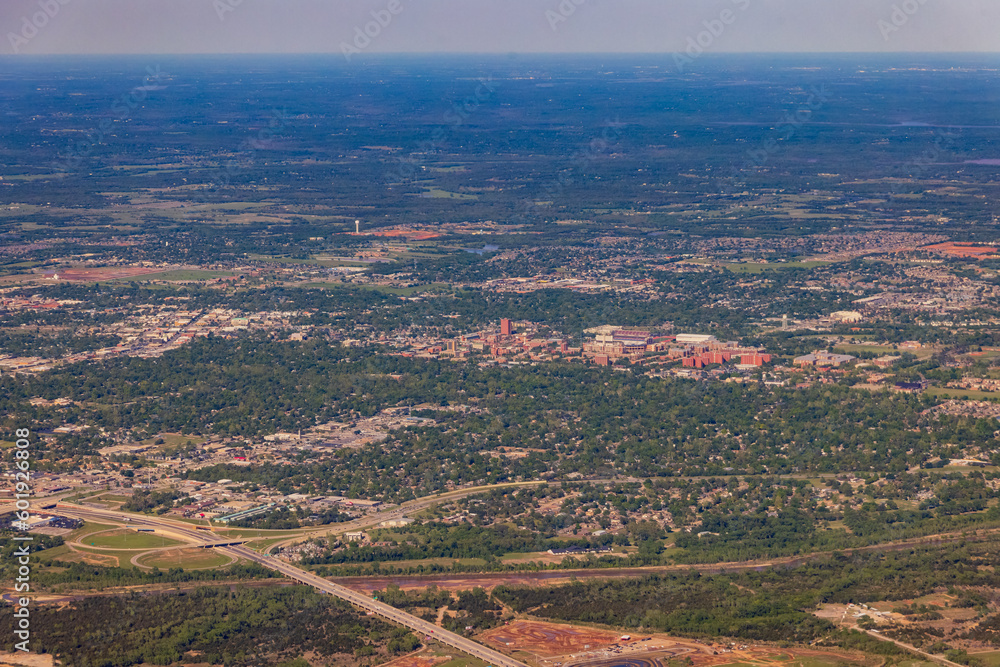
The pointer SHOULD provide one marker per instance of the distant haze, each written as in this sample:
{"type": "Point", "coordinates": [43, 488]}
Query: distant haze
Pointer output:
{"type": "Point", "coordinates": [499, 26]}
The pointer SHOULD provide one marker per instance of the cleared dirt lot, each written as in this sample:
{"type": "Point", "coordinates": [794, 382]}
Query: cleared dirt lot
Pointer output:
{"type": "Point", "coordinates": [559, 645]}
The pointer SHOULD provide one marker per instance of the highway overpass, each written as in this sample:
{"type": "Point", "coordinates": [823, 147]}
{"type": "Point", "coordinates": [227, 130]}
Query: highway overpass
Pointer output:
{"type": "Point", "coordinates": [418, 625]}
{"type": "Point", "coordinates": [205, 539]}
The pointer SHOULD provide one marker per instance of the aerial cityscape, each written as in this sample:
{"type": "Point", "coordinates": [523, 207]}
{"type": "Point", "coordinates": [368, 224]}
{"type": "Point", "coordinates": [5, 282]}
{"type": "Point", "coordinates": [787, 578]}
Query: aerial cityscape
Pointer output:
{"type": "Point", "coordinates": [499, 338]}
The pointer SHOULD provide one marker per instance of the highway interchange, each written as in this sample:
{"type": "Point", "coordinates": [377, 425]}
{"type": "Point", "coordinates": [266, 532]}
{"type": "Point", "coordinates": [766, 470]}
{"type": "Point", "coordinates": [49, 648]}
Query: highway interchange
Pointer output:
{"type": "Point", "coordinates": [205, 539]}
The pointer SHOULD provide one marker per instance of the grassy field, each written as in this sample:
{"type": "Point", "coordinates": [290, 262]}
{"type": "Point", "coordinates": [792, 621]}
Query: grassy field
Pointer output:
{"type": "Point", "coordinates": [989, 658]}
{"type": "Point", "coordinates": [974, 394]}
{"type": "Point", "coordinates": [250, 532]}
{"type": "Point", "coordinates": [173, 440]}
{"type": "Point", "coordinates": [56, 553]}
{"type": "Point", "coordinates": [189, 559]}
{"type": "Point", "coordinates": [463, 662]}
{"type": "Point", "coordinates": [328, 262]}
{"type": "Point", "coordinates": [112, 498]}
{"type": "Point", "coordinates": [760, 268]}
{"type": "Point", "coordinates": [438, 193]}
{"type": "Point", "coordinates": [181, 275]}
{"type": "Point", "coordinates": [67, 554]}
{"type": "Point", "coordinates": [449, 170]}
{"type": "Point", "coordinates": [984, 356]}
{"type": "Point", "coordinates": [409, 291]}
{"type": "Point", "coordinates": [260, 545]}
{"type": "Point", "coordinates": [88, 528]}
{"type": "Point", "coordinates": [924, 353]}
{"type": "Point", "coordinates": [128, 539]}
{"type": "Point", "coordinates": [101, 558]}
{"type": "Point", "coordinates": [878, 349]}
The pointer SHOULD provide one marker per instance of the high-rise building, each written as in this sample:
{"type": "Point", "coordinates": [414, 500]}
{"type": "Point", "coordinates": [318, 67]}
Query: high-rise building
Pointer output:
{"type": "Point", "coordinates": [506, 327]}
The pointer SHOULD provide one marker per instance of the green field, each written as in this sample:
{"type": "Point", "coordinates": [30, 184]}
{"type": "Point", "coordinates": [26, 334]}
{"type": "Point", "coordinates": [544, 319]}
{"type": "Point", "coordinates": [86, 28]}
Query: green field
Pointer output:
{"type": "Point", "coordinates": [54, 553]}
{"type": "Point", "coordinates": [67, 554]}
{"type": "Point", "coordinates": [261, 545]}
{"type": "Point", "coordinates": [196, 559]}
{"type": "Point", "coordinates": [328, 262]}
{"type": "Point", "coordinates": [989, 658]}
{"type": "Point", "coordinates": [88, 528]}
{"type": "Point", "coordinates": [173, 440]}
{"type": "Point", "coordinates": [883, 349]}
{"type": "Point", "coordinates": [878, 349]}
{"type": "Point", "coordinates": [437, 193]}
{"type": "Point", "coordinates": [463, 662]}
{"type": "Point", "coordinates": [128, 539]}
{"type": "Point", "coordinates": [760, 268]}
{"type": "Point", "coordinates": [974, 394]}
{"type": "Point", "coordinates": [181, 275]}
{"type": "Point", "coordinates": [449, 170]}
{"type": "Point", "coordinates": [262, 533]}
{"type": "Point", "coordinates": [112, 498]}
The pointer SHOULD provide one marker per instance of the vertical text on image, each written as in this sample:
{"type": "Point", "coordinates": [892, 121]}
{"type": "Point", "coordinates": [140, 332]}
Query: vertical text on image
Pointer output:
{"type": "Point", "coordinates": [22, 513]}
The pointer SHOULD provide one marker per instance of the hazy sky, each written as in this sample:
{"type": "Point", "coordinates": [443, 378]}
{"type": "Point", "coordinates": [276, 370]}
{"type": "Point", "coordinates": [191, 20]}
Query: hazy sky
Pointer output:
{"type": "Point", "coordinates": [303, 26]}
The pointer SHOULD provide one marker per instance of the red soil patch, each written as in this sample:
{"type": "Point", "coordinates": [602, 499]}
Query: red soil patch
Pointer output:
{"type": "Point", "coordinates": [553, 643]}
{"type": "Point", "coordinates": [547, 639]}
{"type": "Point", "coordinates": [962, 250]}
{"type": "Point", "coordinates": [101, 273]}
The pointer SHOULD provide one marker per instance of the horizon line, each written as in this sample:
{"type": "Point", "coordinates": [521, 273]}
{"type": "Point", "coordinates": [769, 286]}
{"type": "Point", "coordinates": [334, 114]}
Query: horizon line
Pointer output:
{"type": "Point", "coordinates": [505, 54]}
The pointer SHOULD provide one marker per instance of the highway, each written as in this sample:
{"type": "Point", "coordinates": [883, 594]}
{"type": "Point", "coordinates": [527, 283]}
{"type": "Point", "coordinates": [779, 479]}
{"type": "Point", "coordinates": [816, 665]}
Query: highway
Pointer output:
{"type": "Point", "coordinates": [420, 626]}
{"type": "Point", "coordinates": [207, 539]}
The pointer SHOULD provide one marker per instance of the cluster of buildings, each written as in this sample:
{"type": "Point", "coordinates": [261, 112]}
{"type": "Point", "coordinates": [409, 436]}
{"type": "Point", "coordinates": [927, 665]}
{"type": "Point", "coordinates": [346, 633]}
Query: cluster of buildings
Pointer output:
{"type": "Point", "coordinates": [699, 351]}
{"type": "Point", "coordinates": [829, 247]}
{"type": "Point", "coordinates": [604, 345]}
{"type": "Point", "coordinates": [154, 330]}
{"type": "Point", "coordinates": [510, 341]}
{"type": "Point", "coordinates": [977, 384]}
{"type": "Point", "coordinates": [34, 302]}
{"type": "Point", "coordinates": [611, 343]}
{"type": "Point", "coordinates": [225, 502]}
{"type": "Point", "coordinates": [823, 359]}
{"type": "Point", "coordinates": [523, 285]}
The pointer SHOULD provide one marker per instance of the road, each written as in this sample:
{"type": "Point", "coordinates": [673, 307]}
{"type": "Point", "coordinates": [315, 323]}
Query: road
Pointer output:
{"type": "Point", "coordinates": [417, 505]}
{"type": "Point", "coordinates": [420, 626]}
{"type": "Point", "coordinates": [207, 539]}
{"type": "Point", "coordinates": [908, 647]}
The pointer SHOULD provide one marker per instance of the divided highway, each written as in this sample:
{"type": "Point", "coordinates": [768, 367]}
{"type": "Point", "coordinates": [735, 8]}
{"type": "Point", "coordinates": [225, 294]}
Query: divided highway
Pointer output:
{"type": "Point", "coordinates": [207, 539]}
{"type": "Point", "coordinates": [386, 611]}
